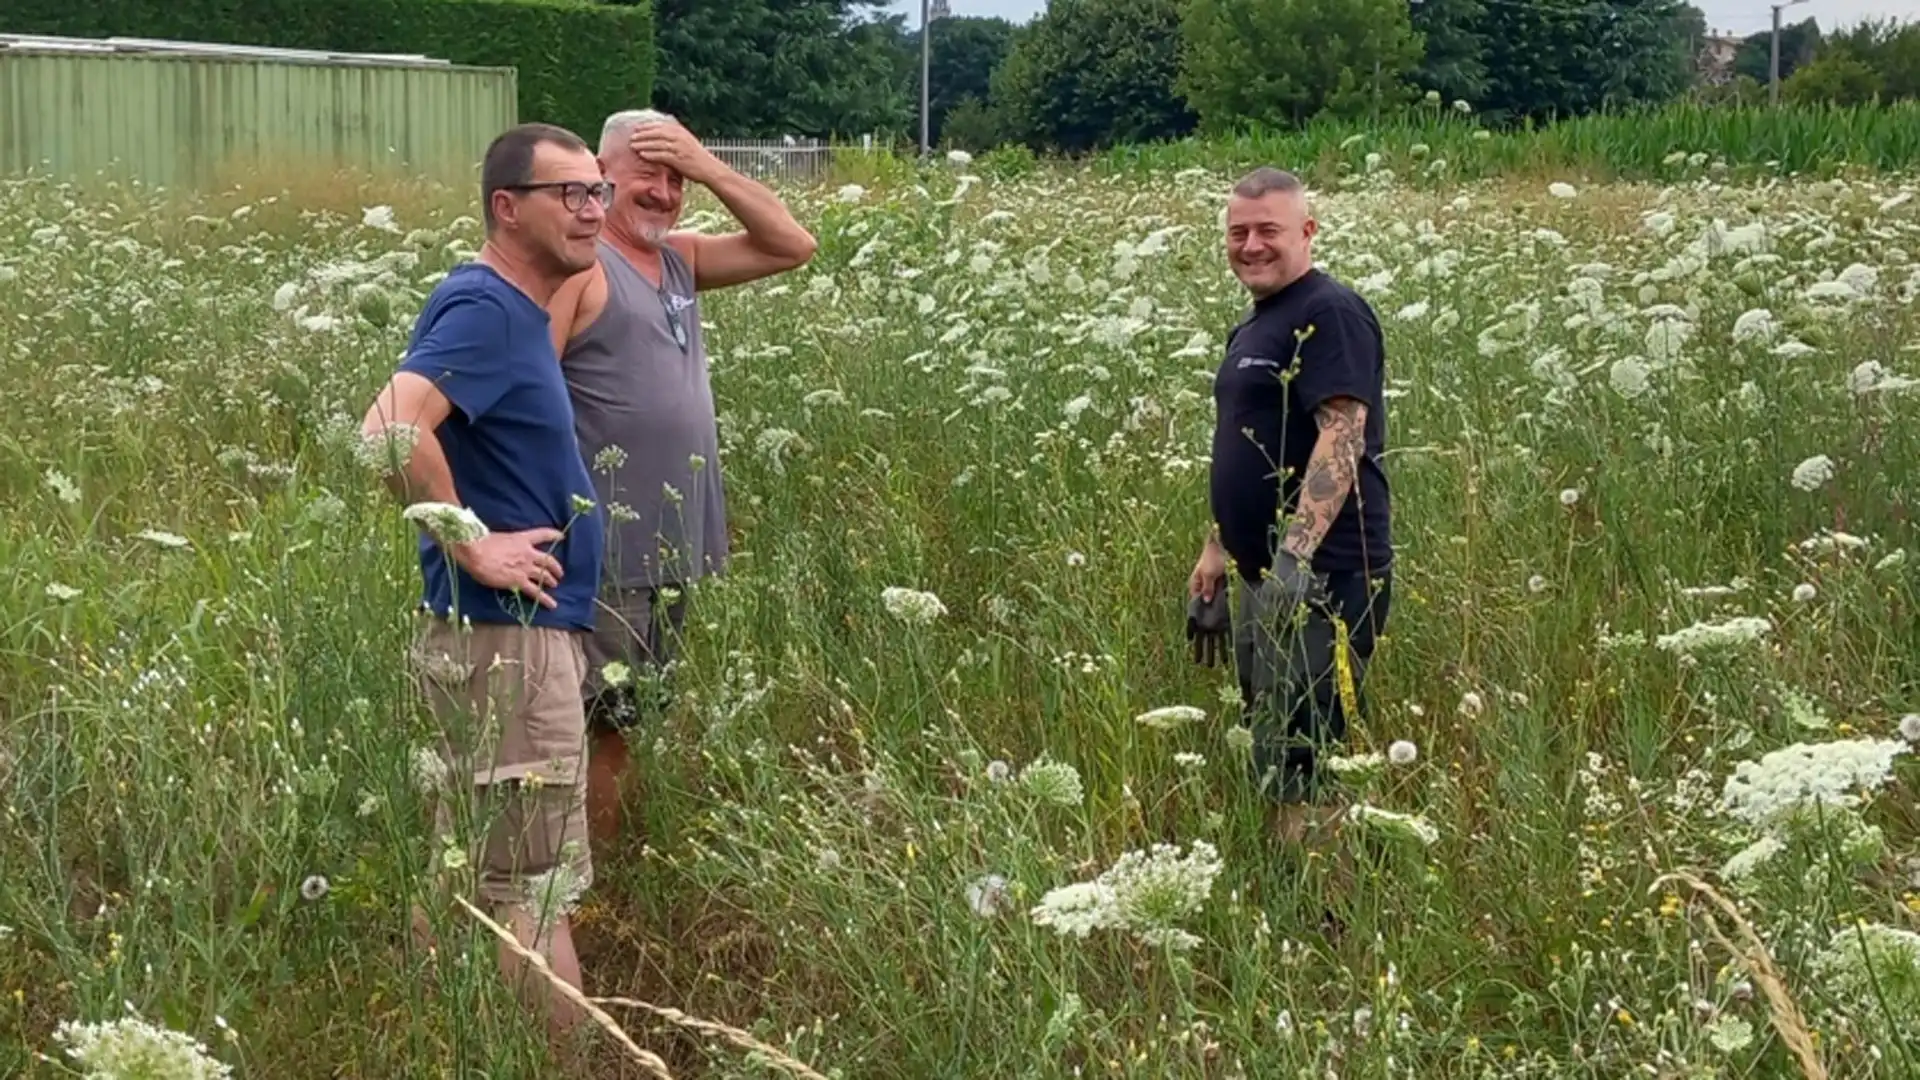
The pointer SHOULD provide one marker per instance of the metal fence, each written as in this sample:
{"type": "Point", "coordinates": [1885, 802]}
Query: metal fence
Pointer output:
{"type": "Point", "coordinates": [189, 113]}
{"type": "Point", "coordinates": [784, 160]}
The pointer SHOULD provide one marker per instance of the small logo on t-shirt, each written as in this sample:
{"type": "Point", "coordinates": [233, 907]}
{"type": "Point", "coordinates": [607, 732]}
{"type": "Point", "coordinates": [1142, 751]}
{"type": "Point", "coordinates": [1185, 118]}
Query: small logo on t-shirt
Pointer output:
{"type": "Point", "coordinates": [1257, 361]}
{"type": "Point", "coordinates": [679, 303]}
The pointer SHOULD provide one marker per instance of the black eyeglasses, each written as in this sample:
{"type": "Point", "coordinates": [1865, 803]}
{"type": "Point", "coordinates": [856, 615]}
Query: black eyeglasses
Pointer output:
{"type": "Point", "coordinates": [573, 193]}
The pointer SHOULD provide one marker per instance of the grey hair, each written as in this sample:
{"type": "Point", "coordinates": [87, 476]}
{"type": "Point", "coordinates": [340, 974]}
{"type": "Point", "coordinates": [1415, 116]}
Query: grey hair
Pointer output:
{"type": "Point", "coordinates": [1265, 180]}
{"type": "Point", "coordinates": [620, 125]}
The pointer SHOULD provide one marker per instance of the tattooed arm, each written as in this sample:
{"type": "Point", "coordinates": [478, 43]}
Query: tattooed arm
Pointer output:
{"type": "Point", "coordinates": [1332, 471]}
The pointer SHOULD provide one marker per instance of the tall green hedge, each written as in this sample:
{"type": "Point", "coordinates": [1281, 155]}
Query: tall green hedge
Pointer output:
{"type": "Point", "coordinates": [576, 61]}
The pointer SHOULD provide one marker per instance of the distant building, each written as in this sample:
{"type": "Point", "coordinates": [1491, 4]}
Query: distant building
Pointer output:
{"type": "Point", "coordinates": [1715, 60]}
{"type": "Point", "coordinates": [939, 10]}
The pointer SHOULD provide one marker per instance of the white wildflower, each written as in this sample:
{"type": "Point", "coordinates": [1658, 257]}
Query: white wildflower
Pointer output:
{"type": "Point", "coordinates": [1052, 781]}
{"type": "Point", "coordinates": [163, 539]}
{"type": "Point", "coordinates": [446, 523]}
{"type": "Point", "coordinates": [912, 605]}
{"type": "Point", "coordinates": [1402, 752]}
{"type": "Point", "coordinates": [987, 896]}
{"type": "Point", "coordinates": [132, 1047]}
{"type": "Point", "coordinates": [1394, 824]}
{"type": "Point", "coordinates": [1813, 473]}
{"type": "Point", "coordinates": [1170, 716]}
{"type": "Point", "coordinates": [1704, 636]}
{"type": "Point", "coordinates": [1805, 775]}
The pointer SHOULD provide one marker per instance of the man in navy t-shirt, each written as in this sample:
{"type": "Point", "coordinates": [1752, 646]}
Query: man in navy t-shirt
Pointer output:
{"type": "Point", "coordinates": [478, 421]}
{"type": "Point", "coordinates": [1299, 497]}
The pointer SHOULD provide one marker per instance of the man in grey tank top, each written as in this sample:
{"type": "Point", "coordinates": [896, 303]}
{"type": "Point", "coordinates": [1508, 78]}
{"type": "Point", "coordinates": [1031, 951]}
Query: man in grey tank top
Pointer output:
{"type": "Point", "coordinates": [629, 339]}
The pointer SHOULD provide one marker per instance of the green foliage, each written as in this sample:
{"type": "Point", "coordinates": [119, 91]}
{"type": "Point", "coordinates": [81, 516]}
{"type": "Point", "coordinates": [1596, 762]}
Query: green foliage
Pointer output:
{"type": "Point", "coordinates": [1087, 74]}
{"type": "Point", "coordinates": [1568, 57]}
{"type": "Point", "coordinates": [1432, 147]}
{"type": "Point", "coordinates": [576, 62]}
{"type": "Point", "coordinates": [1835, 77]}
{"type": "Point", "coordinates": [1453, 58]}
{"type": "Point", "coordinates": [971, 124]}
{"type": "Point", "coordinates": [1799, 42]}
{"type": "Point", "coordinates": [1265, 61]}
{"type": "Point", "coordinates": [962, 55]}
{"type": "Point", "coordinates": [767, 68]}
{"type": "Point", "coordinates": [1891, 49]}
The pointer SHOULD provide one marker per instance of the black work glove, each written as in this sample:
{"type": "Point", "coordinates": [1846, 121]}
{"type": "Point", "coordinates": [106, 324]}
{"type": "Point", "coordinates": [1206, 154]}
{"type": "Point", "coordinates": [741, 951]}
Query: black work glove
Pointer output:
{"type": "Point", "coordinates": [1209, 626]}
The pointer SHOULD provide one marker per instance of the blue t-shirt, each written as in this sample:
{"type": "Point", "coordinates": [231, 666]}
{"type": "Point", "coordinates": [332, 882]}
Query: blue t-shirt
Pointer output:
{"type": "Point", "coordinates": [509, 442]}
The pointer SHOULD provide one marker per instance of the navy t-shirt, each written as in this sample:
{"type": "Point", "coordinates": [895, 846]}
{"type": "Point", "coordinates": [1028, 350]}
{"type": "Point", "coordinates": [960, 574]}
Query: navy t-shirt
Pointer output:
{"type": "Point", "coordinates": [1265, 395]}
{"type": "Point", "coordinates": [509, 443]}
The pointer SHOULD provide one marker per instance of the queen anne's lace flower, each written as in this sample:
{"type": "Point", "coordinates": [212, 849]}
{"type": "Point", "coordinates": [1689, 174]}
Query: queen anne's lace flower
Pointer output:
{"type": "Point", "coordinates": [911, 605]}
{"type": "Point", "coordinates": [132, 1047]}
{"type": "Point", "coordinates": [1806, 775]}
{"type": "Point", "coordinates": [447, 523]}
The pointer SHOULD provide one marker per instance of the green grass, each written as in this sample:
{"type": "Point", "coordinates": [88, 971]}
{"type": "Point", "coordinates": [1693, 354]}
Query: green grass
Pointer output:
{"type": "Point", "coordinates": [1433, 146]}
{"type": "Point", "coordinates": [198, 731]}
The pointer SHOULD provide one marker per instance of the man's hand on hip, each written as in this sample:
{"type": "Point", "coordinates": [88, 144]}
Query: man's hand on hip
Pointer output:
{"type": "Point", "coordinates": [515, 562]}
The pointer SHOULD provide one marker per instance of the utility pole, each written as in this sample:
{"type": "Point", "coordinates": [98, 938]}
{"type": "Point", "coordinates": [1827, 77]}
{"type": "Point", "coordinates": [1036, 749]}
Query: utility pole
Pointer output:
{"type": "Point", "coordinates": [1773, 68]}
{"type": "Point", "coordinates": [926, 52]}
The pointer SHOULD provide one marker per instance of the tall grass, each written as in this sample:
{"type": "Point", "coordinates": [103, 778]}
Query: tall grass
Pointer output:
{"type": "Point", "coordinates": [1439, 145]}
{"type": "Point", "coordinates": [996, 390]}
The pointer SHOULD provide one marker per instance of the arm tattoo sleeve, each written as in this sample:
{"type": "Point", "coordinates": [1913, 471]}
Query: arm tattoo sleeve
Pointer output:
{"type": "Point", "coordinates": [1331, 472]}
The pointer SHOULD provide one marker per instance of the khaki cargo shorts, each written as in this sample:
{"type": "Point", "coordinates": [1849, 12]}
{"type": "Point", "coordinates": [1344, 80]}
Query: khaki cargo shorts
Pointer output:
{"type": "Point", "coordinates": [505, 699]}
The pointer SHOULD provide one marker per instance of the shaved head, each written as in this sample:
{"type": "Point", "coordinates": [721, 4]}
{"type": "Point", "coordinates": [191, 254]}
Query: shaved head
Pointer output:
{"type": "Point", "coordinates": [1270, 230]}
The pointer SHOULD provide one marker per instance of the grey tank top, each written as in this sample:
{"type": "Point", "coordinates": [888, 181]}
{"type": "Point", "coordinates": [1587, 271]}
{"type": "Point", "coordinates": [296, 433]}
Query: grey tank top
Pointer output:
{"type": "Point", "coordinates": [643, 411]}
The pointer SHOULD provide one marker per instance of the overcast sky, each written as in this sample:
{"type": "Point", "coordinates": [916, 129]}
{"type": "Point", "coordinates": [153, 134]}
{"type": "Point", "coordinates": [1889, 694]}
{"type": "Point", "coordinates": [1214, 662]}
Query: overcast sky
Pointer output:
{"type": "Point", "coordinates": [1734, 16]}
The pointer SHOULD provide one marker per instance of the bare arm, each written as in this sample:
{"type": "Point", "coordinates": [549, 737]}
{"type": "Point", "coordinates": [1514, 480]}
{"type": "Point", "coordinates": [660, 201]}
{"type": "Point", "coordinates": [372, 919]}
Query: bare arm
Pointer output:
{"type": "Point", "coordinates": [1332, 470]}
{"type": "Point", "coordinates": [772, 241]}
{"type": "Point", "coordinates": [423, 475]}
{"type": "Point", "coordinates": [570, 302]}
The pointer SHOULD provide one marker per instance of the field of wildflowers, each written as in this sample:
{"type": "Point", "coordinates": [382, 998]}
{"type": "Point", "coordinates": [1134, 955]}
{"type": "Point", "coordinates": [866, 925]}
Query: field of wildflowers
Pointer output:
{"type": "Point", "coordinates": [940, 794]}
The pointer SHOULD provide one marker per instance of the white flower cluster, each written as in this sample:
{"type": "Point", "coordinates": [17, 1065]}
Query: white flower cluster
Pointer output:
{"type": "Point", "coordinates": [133, 1047]}
{"type": "Point", "coordinates": [1704, 636]}
{"type": "Point", "coordinates": [1052, 781]}
{"type": "Point", "coordinates": [446, 523]}
{"type": "Point", "coordinates": [1392, 823]}
{"type": "Point", "coordinates": [911, 605]}
{"type": "Point", "coordinates": [1870, 965]}
{"type": "Point", "coordinates": [555, 894]}
{"type": "Point", "coordinates": [1170, 716]}
{"type": "Point", "coordinates": [1147, 892]}
{"type": "Point", "coordinates": [1799, 777]}
{"type": "Point", "coordinates": [388, 450]}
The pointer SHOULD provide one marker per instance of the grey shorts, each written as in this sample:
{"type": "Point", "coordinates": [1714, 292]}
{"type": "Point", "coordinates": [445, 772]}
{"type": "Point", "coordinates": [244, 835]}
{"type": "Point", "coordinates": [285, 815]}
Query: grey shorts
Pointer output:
{"type": "Point", "coordinates": [630, 627]}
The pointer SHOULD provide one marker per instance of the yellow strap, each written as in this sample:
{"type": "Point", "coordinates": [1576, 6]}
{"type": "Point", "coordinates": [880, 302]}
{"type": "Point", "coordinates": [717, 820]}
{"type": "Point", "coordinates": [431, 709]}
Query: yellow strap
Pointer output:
{"type": "Point", "coordinates": [1343, 666]}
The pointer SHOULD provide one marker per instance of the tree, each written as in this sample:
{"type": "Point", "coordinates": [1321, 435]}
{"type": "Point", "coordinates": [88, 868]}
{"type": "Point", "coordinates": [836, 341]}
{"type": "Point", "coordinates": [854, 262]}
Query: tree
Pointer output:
{"type": "Point", "coordinates": [1454, 60]}
{"type": "Point", "coordinates": [1799, 42]}
{"type": "Point", "coordinates": [1835, 77]}
{"type": "Point", "coordinates": [963, 55]}
{"type": "Point", "coordinates": [766, 68]}
{"type": "Point", "coordinates": [1274, 61]}
{"type": "Point", "coordinates": [1567, 57]}
{"type": "Point", "coordinates": [1087, 74]}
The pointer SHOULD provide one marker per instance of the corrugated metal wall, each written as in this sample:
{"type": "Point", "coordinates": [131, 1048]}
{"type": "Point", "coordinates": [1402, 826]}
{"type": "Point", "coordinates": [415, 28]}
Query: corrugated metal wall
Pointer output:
{"type": "Point", "coordinates": [186, 121]}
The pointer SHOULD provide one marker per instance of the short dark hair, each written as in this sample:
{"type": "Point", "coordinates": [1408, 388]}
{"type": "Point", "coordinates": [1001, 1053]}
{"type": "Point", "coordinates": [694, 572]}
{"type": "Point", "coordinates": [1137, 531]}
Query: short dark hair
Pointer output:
{"type": "Point", "coordinates": [1265, 180]}
{"type": "Point", "coordinates": [509, 160]}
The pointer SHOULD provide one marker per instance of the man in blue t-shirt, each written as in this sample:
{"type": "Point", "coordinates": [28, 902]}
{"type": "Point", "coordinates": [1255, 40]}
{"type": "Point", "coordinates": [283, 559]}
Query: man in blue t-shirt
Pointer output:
{"type": "Point", "coordinates": [1299, 497]}
{"type": "Point", "coordinates": [477, 420]}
